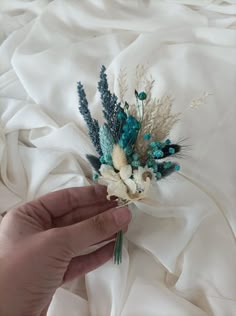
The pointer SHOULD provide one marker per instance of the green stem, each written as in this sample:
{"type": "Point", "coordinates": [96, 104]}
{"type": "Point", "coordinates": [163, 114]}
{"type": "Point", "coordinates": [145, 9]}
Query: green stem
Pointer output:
{"type": "Point", "coordinates": [142, 112]}
{"type": "Point", "coordinates": [118, 248]}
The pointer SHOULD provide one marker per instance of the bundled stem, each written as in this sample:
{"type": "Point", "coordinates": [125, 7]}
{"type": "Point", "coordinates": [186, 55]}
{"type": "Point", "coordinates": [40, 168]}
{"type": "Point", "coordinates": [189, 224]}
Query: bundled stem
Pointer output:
{"type": "Point", "coordinates": [118, 248]}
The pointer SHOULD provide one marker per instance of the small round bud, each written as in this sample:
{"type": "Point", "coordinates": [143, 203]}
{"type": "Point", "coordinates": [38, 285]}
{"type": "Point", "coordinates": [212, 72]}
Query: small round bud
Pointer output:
{"type": "Point", "coordinates": [142, 96]}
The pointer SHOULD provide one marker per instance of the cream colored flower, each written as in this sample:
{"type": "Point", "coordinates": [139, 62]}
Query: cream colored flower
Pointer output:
{"type": "Point", "coordinates": [125, 174]}
{"type": "Point", "coordinates": [143, 177]}
{"type": "Point", "coordinates": [109, 173]}
{"type": "Point", "coordinates": [127, 184]}
{"type": "Point", "coordinates": [115, 184]}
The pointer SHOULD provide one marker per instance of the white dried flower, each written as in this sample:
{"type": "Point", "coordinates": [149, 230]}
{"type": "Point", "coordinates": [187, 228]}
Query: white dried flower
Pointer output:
{"type": "Point", "coordinates": [122, 185]}
{"type": "Point", "coordinates": [143, 177]}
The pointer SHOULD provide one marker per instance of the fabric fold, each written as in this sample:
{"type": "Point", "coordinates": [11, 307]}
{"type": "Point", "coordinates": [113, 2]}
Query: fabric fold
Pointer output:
{"type": "Point", "coordinates": [179, 253]}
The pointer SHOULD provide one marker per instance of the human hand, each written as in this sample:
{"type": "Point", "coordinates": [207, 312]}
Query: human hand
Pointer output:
{"type": "Point", "coordinates": [41, 242]}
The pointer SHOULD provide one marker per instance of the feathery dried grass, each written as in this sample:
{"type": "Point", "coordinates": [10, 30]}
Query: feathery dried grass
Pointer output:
{"type": "Point", "coordinates": [158, 120]}
{"type": "Point", "coordinates": [122, 84]}
{"type": "Point", "coordinates": [118, 157]}
{"type": "Point", "coordinates": [106, 140]}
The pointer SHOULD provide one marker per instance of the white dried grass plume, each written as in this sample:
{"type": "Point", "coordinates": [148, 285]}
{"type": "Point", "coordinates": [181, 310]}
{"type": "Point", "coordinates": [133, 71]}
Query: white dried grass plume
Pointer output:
{"type": "Point", "coordinates": [122, 84]}
{"type": "Point", "coordinates": [158, 120]}
{"type": "Point", "coordinates": [143, 82]}
{"type": "Point", "coordinates": [140, 75]}
{"type": "Point", "coordinates": [197, 102]}
{"type": "Point", "coordinates": [118, 157]}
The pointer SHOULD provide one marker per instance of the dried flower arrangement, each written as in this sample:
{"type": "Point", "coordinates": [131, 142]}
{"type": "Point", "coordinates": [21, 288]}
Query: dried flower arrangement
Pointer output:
{"type": "Point", "coordinates": [132, 149]}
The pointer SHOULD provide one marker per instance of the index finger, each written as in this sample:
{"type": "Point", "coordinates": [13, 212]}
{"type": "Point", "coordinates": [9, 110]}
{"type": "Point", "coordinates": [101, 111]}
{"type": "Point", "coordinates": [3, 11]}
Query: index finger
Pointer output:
{"type": "Point", "coordinates": [61, 202]}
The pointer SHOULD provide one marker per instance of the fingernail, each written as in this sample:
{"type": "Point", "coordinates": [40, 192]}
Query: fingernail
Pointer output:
{"type": "Point", "coordinates": [122, 216]}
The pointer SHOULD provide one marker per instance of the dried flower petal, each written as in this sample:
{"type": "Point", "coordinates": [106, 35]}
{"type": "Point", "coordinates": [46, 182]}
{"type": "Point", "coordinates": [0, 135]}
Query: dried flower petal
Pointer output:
{"type": "Point", "coordinates": [109, 173]}
{"type": "Point", "coordinates": [131, 185]}
{"type": "Point", "coordinates": [126, 172]}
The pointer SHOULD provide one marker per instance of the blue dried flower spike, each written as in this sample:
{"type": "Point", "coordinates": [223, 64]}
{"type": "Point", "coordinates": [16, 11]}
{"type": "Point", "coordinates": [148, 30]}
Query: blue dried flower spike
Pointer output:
{"type": "Point", "coordinates": [111, 106]}
{"type": "Point", "coordinates": [92, 124]}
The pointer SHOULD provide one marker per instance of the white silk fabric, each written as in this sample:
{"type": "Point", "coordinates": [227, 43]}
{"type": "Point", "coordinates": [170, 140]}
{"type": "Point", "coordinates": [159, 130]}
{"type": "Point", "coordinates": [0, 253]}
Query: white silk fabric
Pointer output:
{"type": "Point", "coordinates": [179, 254]}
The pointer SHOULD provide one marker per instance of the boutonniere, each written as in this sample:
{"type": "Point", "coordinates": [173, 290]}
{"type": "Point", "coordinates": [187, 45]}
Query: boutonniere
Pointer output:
{"type": "Point", "coordinates": [133, 151]}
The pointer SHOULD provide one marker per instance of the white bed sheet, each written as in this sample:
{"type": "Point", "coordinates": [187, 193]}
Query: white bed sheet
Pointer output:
{"type": "Point", "coordinates": [181, 259]}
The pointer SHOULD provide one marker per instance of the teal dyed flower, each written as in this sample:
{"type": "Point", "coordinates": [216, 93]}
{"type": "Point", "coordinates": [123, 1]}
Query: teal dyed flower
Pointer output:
{"type": "Point", "coordinates": [142, 96]}
{"type": "Point", "coordinates": [135, 163]}
{"type": "Point", "coordinates": [147, 136]}
{"type": "Point", "coordinates": [95, 176]}
{"type": "Point", "coordinates": [122, 116]}
{"type": "Point", "coordinates": [171, 151]}
{"type": "Point", "coordinates": [102, 159]}
{"type": "Point", "coordinates": [153, 144]}
{"type": "Point", "coordinates": [128, 150]}
{"type": "Point", "coordinates": [158, 153]}
{"type": "Point", "coordinates": [150, 163]}
{"type": "Point", "coordinates": [167, 164]}
{"type": "Point", "coordinates": [136, 156]}
{"type": "Point", "coordinates": [177, 167]}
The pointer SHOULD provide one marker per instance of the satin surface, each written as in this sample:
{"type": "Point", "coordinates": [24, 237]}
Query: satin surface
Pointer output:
{"type": "Point", "coordinates": [179, 253]}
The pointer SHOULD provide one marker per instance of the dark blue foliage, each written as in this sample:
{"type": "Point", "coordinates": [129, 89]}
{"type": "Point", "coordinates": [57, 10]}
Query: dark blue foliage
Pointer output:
{"type": "Point", "coordinates": [175, 148]}
{"type": "Point", "coordinates": [166, 171]}
{"type": "Point", "coordinates": [95, 162]}
{"type": "Point", "coordinates": [111, 106]}
{"type": "Point", "coordinates": [92, 124]}
{"type": "Point", "coordinates": [160, 150]}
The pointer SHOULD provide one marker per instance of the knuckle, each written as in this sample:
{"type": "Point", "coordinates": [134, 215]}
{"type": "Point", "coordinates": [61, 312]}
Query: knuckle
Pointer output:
{"type": "Point", "coordinates": [13, 214]}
